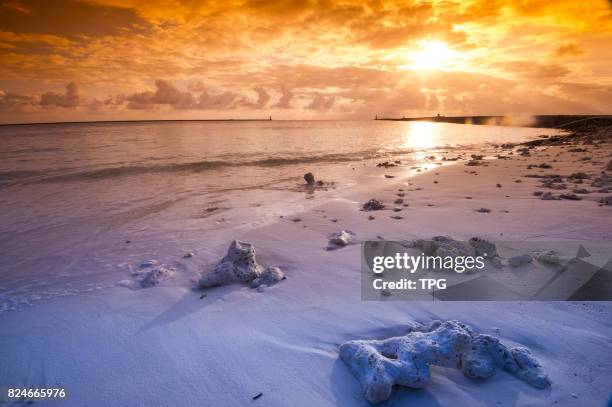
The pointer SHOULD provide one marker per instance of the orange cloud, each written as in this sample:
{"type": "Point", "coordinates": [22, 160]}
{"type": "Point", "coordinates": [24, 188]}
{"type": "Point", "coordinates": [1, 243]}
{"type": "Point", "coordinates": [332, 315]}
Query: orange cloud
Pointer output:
{"type": "Point", "coordinates": [340, 58]}
{"type": "Point", "coordinates": [71, 98]}
{"type": "Point", "coordinates": [568, 50]}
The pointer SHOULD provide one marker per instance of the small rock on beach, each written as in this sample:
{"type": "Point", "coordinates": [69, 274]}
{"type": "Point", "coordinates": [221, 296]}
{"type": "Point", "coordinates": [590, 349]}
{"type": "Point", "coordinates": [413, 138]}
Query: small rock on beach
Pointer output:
{"type": "Point", "coordinates": [309, 178]}
{"type": "Point", "coordinates": [373, 205]}
{"type": "Point", "coordinates": [339, 240]}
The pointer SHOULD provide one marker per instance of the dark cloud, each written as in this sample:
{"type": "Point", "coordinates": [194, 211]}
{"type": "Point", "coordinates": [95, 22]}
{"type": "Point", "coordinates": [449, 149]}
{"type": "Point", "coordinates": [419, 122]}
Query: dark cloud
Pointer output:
{"type": "Point", "coordinates": [65, 18]}
{"type": "Point", "coordinates": [263, 98]}
{"type": "Point", "coordinates": [71, 98]}
{"type": "Point", "coordinates": [15, 5]}
{"type": "Point", "coordinates": [566, 50]}
{"type": "Point", "coordinates": [169, 95]}
{"type": "Point", "coordinates": [11, 102]}
{"type": "Point", "coordinates": [165, 94]}
{"type": "Point", "coordinates": [284, 102]}
{"type": "Point", "coordinates": [321, 102]}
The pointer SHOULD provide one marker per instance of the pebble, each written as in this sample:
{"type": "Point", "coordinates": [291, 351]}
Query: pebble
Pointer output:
{"type": "Point", "coordinates": [373, 205]}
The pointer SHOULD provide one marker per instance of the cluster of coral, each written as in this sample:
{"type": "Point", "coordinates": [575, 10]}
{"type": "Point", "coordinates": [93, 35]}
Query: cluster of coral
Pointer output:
{"type": "Point", "coordinates": [381, 364]}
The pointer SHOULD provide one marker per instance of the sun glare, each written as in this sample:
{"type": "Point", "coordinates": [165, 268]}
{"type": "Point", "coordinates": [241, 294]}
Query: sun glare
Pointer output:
{"type": "Point", "coordinates": [432, 55]}
{"type": "Point", "coordinates": [421, 135]}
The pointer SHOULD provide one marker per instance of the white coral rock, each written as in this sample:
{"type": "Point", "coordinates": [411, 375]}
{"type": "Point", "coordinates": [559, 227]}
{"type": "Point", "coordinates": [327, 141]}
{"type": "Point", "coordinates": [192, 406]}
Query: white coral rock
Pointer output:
{"type": "Point", "coordinates": [339, 240]}
{"type": "Point", "coordinates": [405, 360]}
{"type": "Point", "coordinates": [550, 257]}
{"type": "Point", "coordinates": [240, 266]}
{"type": "Point", "coordinates": [487, 353]}
{"type": "Point", "coordinates": [270, 276]}
{"type": "Point", "coordinates": [157, 275]}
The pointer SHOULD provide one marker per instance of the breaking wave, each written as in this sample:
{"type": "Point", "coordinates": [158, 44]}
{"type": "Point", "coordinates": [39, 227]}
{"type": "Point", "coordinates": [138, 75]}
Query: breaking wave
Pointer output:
{"type": "Point", "coordinates": [46, 176]}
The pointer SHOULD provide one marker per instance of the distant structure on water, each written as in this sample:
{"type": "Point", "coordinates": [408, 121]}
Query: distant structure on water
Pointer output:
{"type": "Point", "coordinates": [549, 121]}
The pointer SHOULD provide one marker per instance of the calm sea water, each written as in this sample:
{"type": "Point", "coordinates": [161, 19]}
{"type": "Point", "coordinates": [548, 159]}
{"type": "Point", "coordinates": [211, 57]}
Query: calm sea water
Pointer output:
{"type": "Point", "coordinates": [66, 153]}
{"type": "Point", "coordinates": [71, 195]}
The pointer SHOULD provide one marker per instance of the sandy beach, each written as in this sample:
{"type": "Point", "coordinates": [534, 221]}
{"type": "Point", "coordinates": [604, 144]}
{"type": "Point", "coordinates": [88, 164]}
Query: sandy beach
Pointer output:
{"type": "Point", "coordinates": [229, 344]}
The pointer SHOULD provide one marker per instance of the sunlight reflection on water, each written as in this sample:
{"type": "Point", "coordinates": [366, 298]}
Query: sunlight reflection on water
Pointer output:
{"type": "Point", "coordinates": [423, 135]}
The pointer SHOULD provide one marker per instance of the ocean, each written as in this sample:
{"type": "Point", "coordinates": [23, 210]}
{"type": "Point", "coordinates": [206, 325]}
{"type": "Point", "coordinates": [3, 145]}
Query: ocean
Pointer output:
{"type": "Point", "coordinates": [80, 201]}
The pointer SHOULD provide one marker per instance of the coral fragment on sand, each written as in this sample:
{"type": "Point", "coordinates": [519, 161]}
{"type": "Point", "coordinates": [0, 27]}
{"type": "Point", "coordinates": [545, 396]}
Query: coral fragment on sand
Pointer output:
{"type": "Point", "coordinates": [240, 266]}
{"type": "Point", "coordinates": [156, 275]}
{"type": "Point", "coordinates": [381, 364]}
{"type": "Point", "coordinates": [339, 240]}
{"type": "Point", "coordinates": [550, 257]}
{"type": "Point", "coordinates": [270, 276]}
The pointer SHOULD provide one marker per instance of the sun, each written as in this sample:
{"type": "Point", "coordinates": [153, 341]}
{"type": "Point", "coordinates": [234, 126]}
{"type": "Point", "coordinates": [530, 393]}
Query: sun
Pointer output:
{"type": "Point", "coordinates": [432, 55]}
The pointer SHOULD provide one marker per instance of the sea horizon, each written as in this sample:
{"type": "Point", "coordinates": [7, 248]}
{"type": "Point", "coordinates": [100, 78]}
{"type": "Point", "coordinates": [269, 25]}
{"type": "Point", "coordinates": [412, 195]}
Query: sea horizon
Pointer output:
{"type": "Point", "coordinates": [309, 119]}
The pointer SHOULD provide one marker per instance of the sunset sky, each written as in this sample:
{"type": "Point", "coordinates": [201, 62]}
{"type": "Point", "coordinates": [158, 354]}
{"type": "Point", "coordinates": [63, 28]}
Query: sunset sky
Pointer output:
{"type": "Point", "coordinates": [166, 59]}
